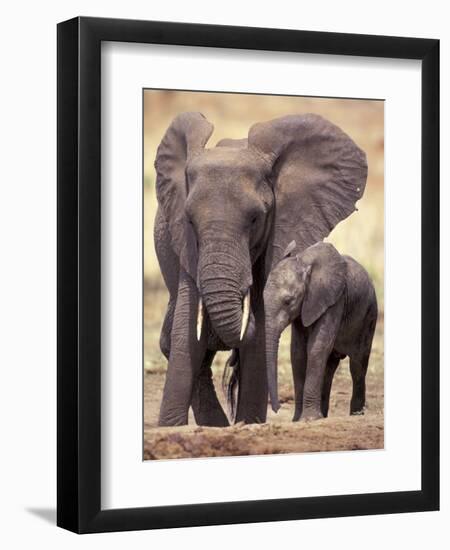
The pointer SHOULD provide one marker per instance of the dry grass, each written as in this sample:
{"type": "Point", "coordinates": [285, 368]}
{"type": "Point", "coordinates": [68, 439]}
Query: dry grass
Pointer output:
{"type": "Point", "coordinates": [361, 236]}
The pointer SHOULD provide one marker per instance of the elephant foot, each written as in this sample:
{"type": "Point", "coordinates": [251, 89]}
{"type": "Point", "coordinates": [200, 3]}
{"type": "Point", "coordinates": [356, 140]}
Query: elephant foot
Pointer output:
{"type": "Point", "coordinates": [213, 421]}
{"type": "Point", "coordinates": [358, 412]}
{"type": "Point", "coordinates": [250, 420]}
{"type": "Point", "coordinates": [310, 416]}
{"type": "Point", "coordinates": [170, 422]}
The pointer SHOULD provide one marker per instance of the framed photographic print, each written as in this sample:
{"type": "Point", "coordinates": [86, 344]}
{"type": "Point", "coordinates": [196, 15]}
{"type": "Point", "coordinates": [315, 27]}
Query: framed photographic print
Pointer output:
{"type": "Point", "coordinates": [248, 255]}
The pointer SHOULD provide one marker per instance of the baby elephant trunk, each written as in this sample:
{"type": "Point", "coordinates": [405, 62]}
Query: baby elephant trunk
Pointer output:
{"type": "Point", "coordinates": [272, 341]}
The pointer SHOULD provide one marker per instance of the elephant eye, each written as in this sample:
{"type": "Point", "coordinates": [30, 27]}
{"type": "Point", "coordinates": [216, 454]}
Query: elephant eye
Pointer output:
{"type": "Point", "coordinates": [190, 222]}
{"type": "Point", "coordinates": [287, 300]}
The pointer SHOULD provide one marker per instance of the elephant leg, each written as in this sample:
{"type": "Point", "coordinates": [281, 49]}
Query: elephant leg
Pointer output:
{"type": "Point", "coordinates": [205, 404]}
{"type": "Point", "coordinates": [359, 361]}
{"type": "Point", "coordinates": [332, 364]}
{"type": "Point", "coordinates": [167, 259]}
{"type": "Point", "coordinates": [358, 370]}
{"type": "Point", "coordinates": [298, 361]}
{"type": "Point", "coordinates": [169, 264]}
{"type": "Point", "coordinates": [186, 356]}
{"type": "Point", "coordinates": [166, 331]}
{"type": "Point", "coordinates": [320, 344]}
{"type": "Point", "coordinates": [253, 391]}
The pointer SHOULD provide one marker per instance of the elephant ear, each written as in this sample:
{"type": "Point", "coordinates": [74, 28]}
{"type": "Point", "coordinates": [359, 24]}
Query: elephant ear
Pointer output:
{"type": "Point", "coordinates": [326, 283]}
{"type": "Point", "coordinates": [185, 137]}
{"type": "Point", "coordinates": [235, 143]}
{"type": "Point", "coordinates": [317, 172]}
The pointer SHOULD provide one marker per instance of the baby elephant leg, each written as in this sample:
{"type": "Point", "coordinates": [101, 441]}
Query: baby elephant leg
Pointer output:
{"type": "Point", "coordinates": [358, 370]}
{"type": "Point", "coordinates": [332, 364]}
{"type": "Point", "coordinates": [359, 362]}
{"type": "Point", "coordinates": [320, 345]}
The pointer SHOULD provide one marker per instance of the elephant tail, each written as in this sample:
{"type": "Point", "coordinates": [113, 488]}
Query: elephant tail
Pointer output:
{"type": "Point", "coordinates": [230, 382]}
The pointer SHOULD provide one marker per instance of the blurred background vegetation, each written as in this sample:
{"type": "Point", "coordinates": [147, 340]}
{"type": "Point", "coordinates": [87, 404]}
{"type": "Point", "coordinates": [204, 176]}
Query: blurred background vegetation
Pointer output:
{"type": "Point", "coordinates": [361, 235]}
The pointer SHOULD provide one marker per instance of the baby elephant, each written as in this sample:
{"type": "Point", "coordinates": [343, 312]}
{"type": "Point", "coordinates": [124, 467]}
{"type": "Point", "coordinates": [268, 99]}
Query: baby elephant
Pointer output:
{"type": "Point", "coordinates": [331, 303]}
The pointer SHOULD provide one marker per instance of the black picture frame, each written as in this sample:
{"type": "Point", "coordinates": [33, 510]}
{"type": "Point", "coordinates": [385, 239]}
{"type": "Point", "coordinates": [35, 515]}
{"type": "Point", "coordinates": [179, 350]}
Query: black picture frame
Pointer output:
{"type": "Point", "coordinates": [79, 275]}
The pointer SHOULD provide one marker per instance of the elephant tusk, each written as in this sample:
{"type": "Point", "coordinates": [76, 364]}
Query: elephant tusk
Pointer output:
{"type": "Point", "coordinates": [199, 319]}
{"type": "Point", "coordinates": [245, 314]}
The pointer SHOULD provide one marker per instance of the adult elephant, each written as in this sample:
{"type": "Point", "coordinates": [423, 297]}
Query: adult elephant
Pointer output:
{"type": "Point", "coordinates": [225, 216]}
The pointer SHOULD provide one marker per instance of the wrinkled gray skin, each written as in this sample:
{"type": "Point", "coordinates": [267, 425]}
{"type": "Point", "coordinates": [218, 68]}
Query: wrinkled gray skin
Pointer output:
{"type": "Point", "coordinates": [225, 215]}
{"type": "Point", "coordinates": [331, 303]}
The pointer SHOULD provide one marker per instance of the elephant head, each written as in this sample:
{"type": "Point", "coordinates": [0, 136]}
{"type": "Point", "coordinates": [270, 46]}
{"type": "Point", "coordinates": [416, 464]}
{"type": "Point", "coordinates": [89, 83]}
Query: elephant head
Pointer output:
{"type": "Point", "coordinates": [303, 287]}
{"type": "Point", "coordinates": [244, 200]}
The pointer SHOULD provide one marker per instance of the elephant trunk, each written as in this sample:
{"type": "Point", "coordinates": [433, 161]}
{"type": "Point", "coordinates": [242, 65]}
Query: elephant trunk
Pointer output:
{"type": "Point", "coordinates": [224, 290]}
{"type": "Point", "coordinates": [272, 342]}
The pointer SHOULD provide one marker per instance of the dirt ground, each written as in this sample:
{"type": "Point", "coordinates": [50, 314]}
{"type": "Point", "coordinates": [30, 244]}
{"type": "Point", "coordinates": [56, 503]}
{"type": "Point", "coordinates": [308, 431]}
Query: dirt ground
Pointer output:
{"type": "Point", "coordinates": [338, 432]}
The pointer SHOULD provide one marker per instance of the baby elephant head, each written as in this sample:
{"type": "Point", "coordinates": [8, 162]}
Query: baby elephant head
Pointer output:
{"type": "Point", "coordinates": [301, 286]}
